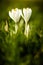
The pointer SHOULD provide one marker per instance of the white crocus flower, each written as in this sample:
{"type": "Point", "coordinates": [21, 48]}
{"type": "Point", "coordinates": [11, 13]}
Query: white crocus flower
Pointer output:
{"type": "Point", "coordinates": [26, 14]}
{"type": "Point", "coordinates": [26, 32]}
{"type": "Point", "coordinates": [15, 14]}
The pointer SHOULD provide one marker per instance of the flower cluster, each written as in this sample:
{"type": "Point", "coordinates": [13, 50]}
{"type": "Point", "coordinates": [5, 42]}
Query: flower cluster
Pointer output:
{"type": "Point", "coordinates": [16, 14]}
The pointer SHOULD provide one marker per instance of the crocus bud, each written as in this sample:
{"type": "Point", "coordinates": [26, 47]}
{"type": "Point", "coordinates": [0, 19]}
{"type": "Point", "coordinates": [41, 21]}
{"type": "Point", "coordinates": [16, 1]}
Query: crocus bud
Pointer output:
{"type": "Point", "coordinates": [27, 14]}
{"type": "Point", "coordinates": [6, 27]}
{"type": "Point", "coordinates": [15, 14]}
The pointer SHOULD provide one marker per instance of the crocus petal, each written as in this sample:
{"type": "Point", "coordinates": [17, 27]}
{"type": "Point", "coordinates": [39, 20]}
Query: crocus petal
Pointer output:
{"type": "Point", "coordinates": [10, 14]}
{"type": "Point", "coordinates": [29, 12]}
{"type": "Point", "coordinates": [20, 11]}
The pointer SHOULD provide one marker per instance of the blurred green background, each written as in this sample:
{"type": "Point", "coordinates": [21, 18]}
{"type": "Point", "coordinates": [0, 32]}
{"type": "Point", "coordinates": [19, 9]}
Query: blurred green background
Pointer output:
{"type": "Point", "coordinates": [17, 49]}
